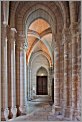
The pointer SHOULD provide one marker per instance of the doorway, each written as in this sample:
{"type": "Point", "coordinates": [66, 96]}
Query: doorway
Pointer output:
{"type": "Point", "coordinates": [42, 85]}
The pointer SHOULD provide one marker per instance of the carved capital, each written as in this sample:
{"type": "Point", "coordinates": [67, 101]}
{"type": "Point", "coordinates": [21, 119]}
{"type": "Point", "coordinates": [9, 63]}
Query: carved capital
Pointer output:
{"type": "Point", "coordinates": [66, 35]}
{"type": "Point", "coordinates": [74, 28]}
{"type": "Point", "coordinates": [5, 23]}
{"type": "Point", "coordinates": [58, 37]}
{"type": "Point", "coordinates": [3, 31]}
{"type": "Point", "coordinates": [21, 42]}
{"type": "Point", "coordinates": [11, 34]}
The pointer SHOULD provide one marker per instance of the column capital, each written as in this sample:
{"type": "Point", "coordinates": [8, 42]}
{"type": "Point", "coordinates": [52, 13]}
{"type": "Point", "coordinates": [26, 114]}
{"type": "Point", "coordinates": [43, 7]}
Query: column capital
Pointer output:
{"type": "Point", "coordinates": [66, 35]}
{"type": "Point", "coordinates": [3, 30]}
{"type": "Point", "coordinates": [21, 41]}
{"type": "Point", "coordinates": [5, 23]}
{"type": "Point", "coordinates": [11, 33]}
{"type": "Point", "coordinates": [58, 37]}
{"type": "Point", "coordinates": [74, 28]}
{"type": "Point", "coordinates": [73, 11]}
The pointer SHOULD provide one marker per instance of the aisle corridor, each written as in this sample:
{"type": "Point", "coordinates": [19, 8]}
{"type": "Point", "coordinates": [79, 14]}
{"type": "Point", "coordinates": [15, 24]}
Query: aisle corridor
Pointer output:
{"type": "Point", "coordinates": [40, 60]}
{"type": "Point", "coordinates": [40, 109]}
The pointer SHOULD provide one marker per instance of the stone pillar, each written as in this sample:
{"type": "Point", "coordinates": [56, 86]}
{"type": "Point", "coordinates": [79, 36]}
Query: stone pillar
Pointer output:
{"type": "Point", "coordinates": [61, 75]}
{"type": "Point", "coordinates": [25, 74]}
{"type": "Point", "coordinates": [29, 83]}
{"type": "Point", "coordinates": [18, 77]}
{"type": "Point", "coordinates": [9, 73]}
{"type": "Point", "coordinates": [66, 84]}
{"type": "Point", "coordinates": [50, 80]}
{"type": "Point", "coordinates": [23, 94]}
{"type": "Point", "coordinates": [74, 72]}
{"type": "Point", "coordinates": [30, 88]}
{"type": "Point", "coordinates": [74, 30]}
{"type": "Point", "coordinates": [73, 11]}
{"type": "Point", "coordinates": [67, 71]}
{"type": "Point", "coordinates": [11, 70]}
{"type": "Point", "coordinates": [4, 81]}
{"type": "Point", "coordinates": [56, 107]}
{"type": "Point", "coordinates": [79, 76]}
{"type": "Point", "coordinates": [69, 76]}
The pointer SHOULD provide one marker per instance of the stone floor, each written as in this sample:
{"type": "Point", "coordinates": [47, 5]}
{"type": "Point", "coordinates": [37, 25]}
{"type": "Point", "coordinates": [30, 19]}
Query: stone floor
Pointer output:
{"type": "Point", "coordinates": [40, 109]}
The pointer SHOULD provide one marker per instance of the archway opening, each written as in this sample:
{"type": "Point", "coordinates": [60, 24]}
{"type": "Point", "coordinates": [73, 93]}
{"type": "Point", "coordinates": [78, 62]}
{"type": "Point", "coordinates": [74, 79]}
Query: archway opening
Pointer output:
{"type": "Point", "coordinates": [42, 82]}
{"type": "Point", "coordinates": [39, 42]}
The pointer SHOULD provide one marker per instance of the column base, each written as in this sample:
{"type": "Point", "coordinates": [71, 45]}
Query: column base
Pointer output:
{"type": "Point", "coordinates": [14, 111]}
{"type": "Point", "coordinates": [75, 114]}
{"type": "Point", "coordinates": [18, 111]}
{"type": "Point", "coordinates": [4, 114]}
{"type": "Point", "coordinates": [23, 110]}
{"type": "Point", "coordinates": [56, 110]}
{"type": "Point", "coordinates": [66, 112]}
{"type": "Point", "coordinates": [10, 116]}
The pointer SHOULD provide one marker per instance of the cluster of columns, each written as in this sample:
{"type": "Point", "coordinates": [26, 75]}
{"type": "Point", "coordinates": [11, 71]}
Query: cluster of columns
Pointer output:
{"type": "Point", "coordinates": [71, 83]}
{"type": "Point", "coordinates": [71, 71]}
{"type": "Point", "coordinates": [13, 73]}
{"type": "Point", "coordinates": [56, 106]}
{"type": "Point", "coordinates": [75, 81]}
{"type": "Point", "coordinates": [4, 81]}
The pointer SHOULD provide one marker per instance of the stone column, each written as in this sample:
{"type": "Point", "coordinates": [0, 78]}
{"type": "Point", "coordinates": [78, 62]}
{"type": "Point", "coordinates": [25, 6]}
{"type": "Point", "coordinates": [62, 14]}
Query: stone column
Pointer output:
{"type": "Point", "coordinates": [25, 75]}
{"type": "Point", "coordinates": [9, 73]}
{"type": "Point", "coordinates": [74, 30]}
{"type": "Point", "coordinates": [30, 87]}
{"type": "Point", "coordinates": [66, 71]}
{"type": "Point", "coordinates": [74, 73]}
{"type": "Point", "coordinates": [29, 83]}
{"type": "Point", "coordinates": [11, 69]}
{"type": "Point", "coordinates": [66, 85]}
{"type": "Point", "coordinates": [28, 90]}
{"type": "Point", "coordinates": [4, 81]}
{"type": "Point", "coordinates": [50, 80]}
{"type": "Point", "coordinates": [79, 76]}
{"type": "Point", "coordinates": [73, 11]}
{"type": "Point", "coordinates": [23, 99]}
{"type": "Point", "coordinates": [62, 76]}
{"type": "Point", "coordinates": [18, 77]}
{"type": "Point", "coordinates": [69, 76]}
{"type": "Point", "coordinates": [56, 107]}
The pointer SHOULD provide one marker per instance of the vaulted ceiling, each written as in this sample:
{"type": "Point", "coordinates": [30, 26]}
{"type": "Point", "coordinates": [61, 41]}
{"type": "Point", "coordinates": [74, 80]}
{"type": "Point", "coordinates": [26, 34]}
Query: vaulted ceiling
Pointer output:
{"type": "Point", "coordinates": [40, 21]}
{"type": "Point", "coordinates": [39, 31]}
